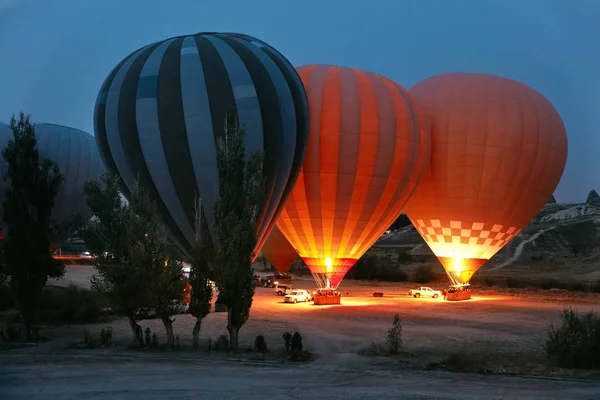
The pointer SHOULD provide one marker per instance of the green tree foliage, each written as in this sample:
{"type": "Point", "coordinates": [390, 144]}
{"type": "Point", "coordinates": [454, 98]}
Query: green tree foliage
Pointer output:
{"type": "Point", "coordinates": [241, 193]}
{"type": "Point", "coordinates": [575, 343]}
{"type": "Point", "coordinates": [134, 266]}
{"type": "Point", "coordinates": [33, 184]}
{"type": "Point", "coordinates": [202, 264]}
{"type": "Point", "coordinates": [394, 336]}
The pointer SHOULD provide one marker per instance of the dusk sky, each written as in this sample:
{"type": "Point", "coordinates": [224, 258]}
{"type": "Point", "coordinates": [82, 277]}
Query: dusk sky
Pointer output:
{"type": "Point", "coordinates": [56, 54]}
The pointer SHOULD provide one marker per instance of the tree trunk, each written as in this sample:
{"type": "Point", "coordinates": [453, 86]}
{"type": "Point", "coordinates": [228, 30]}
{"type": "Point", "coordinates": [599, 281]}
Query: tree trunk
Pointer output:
{"type": "Point", "coordinates": [136, 329]}
{"type": "Point", "coordinates": [168, 323]}
{"type": "Point", "coordinates": [233, 330]}
{"type": "Point", "coordinates": [196, 333]}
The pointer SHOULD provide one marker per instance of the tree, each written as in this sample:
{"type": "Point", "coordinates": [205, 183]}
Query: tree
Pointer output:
{"type": "Point", "coordinates": [33, 184]}
{"type": "Point", "coordinates": [236, 211]}
{"type": "Point", "coordinates": [200, 273]}
{"type": "Point", "coordinates": [132, 255]}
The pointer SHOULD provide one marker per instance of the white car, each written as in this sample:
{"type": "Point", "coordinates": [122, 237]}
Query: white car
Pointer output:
{"type": "Point", "coordinates": [282, 290]}
{"type": "Point", "coordinates": [298, 295]}
{"type": "Point", "coordinates": [425, 291]}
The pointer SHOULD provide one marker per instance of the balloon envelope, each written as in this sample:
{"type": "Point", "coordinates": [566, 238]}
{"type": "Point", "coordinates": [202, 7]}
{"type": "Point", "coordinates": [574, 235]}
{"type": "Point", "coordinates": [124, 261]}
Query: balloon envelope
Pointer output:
{"type": "Point", "coordinates": [368, 148]}
{"type": "Point", "coordinates": [278, 251]}
{"type": "Point", "coordinates": [76, 155]}
{"type": "Point", "coordinates": [498, 152]}
{"type": "Point", "coordinates": [161, 109]}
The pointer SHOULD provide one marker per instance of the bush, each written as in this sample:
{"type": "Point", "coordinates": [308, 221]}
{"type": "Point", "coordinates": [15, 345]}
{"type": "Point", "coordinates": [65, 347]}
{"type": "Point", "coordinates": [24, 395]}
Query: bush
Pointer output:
{"type": "Point", "coordinates": [490, 282]}
{"type": "Point", "coordinates": [104, 339]}
{"type": "Point", "coordinates": [404, 257]}
{"type": "Point", "coordinates": [296, 342]}
{"type": "Point", "coordinates": [260, 344]}
{"type": "Point", "coordinates": [576, 342]}
{"type": "Point", "coordinates": [423, 274]}
{"type": "Point", "coordinates": [70, 304]}
{"type": "Point", "coordinates": [394, 336]}
{"type": "Point", "coordinates": [7, 301]}
{"type": "Point", "coordinates": [513, 283]}
{"type": "Point", "coordinates": [287, 340]}
{"type": "Point", "coordinates": [222, 343]}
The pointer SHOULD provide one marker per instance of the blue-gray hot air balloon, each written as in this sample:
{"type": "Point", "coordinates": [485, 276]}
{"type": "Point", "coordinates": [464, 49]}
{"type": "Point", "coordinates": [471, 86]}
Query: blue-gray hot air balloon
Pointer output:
{"type": "Point", "coordinates": [76, 154]}
{"type": "Point", "coordinates": [161, 108]}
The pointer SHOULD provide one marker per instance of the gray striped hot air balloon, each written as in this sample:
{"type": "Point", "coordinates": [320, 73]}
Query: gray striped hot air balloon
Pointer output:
{"type": "Point", "coordinates": [161, 108]}
{"type": "Point", "coordinates": [76, 154]}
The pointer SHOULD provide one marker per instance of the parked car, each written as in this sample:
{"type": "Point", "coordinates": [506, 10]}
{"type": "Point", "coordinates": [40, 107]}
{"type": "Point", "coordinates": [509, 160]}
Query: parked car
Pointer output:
{"type": "Point", "coordinates": [298, 295]}
{"type": "Point", "coordinates": [425, 291]}
{"type": "Point", "coordinates": [282, 290]}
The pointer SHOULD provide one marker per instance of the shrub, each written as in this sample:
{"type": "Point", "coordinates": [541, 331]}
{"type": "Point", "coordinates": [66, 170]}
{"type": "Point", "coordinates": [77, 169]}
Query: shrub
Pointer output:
{"type": "Point", "coordinates": [222, 343]}
{"type": "Point", "coordinates": [490, 282]}
{"type": "Point", "coordinates": [513, 283]}
{"type": "Point", "coordinates": [70, 304]}
{"type": "Point", "coordinates": [595, 286]}
{"type": "Point", "coordinates": [296, 342]}
{"type": "Point", "coordinates": [103, 340]}
{"type": "Point", "coordinates": [260, 344]}
{"type": "Point", "coordinates": [423, 274]}
{"type": "Point", "coordinates": [576, 342]}
{"type": "Point", "coordinates": [287, 340]}
{"type": "Point", "coordinates": [404, 257]}
{"type": "Point", "coordinates": [7, 301]}
{"type": "Point", "coordinates": [394, 336]}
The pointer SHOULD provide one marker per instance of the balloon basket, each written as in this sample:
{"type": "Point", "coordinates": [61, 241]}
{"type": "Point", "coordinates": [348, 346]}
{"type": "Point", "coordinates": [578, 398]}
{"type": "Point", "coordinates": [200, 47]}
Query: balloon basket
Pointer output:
{"type": "Point", "coordinates": [327, 297]}
{"type": "Point", "coordinates": [459, 296]}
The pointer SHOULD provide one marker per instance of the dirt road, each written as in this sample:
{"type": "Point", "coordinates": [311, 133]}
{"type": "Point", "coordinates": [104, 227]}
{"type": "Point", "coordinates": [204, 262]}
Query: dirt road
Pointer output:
{"type": "Point", "coordinates": [89, 376]}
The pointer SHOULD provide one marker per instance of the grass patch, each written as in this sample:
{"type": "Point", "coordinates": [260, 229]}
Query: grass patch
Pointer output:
{"type": "Point", "coordinates": [575, 343]}
{"type": "Point", "coordinates": [71, 304]}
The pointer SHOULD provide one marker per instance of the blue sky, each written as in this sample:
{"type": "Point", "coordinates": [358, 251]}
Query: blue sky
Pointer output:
{"type": "Point", "coordinates": [55, 54]}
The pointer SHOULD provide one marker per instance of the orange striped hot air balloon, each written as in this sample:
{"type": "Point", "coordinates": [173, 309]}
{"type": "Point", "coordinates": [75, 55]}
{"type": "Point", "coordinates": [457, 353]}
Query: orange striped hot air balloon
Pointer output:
{"type": "Point", "coordinates": [368, 148]}
{"type": "Point", "coordinates": [278, 251]}
{"type": "Point", "coordinates": [498, 151]}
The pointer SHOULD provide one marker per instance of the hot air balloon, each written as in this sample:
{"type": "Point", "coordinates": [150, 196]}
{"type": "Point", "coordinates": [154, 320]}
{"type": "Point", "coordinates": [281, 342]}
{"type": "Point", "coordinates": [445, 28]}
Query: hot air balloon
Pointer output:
{"type": "Point", "coordinates": [498, 152]}
{"type": "Point", "coordinates": [161, 109]}
{"type": "Point", "coordinates": [368, 149]}
{"type": "Point", "coordinates": [278, 251]}
{"type": "Point", "coordinates": [76, 154]}
{"type": "Point", "coordinates": [77, 157]}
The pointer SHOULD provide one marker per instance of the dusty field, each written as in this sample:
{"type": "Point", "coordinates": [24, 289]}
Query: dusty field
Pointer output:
{"type": "Point", "coordinates": [505, 324]}
{"type": "Point", "coordinates": [499, 332]}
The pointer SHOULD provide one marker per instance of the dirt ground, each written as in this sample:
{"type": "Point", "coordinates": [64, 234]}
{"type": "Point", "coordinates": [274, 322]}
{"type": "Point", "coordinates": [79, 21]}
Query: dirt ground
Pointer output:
{"type": "Point", "coordinates": [500, 332]}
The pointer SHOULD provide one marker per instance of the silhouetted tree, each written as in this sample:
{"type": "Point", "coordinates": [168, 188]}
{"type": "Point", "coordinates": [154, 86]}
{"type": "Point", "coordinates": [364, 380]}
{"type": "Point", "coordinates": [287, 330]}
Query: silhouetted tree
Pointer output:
{"type": "Point", "coordinates": [33, 184]}
{"type": "Point", "coordinates": [133, 260]}
{"type": "Point", "coordinates": [241, 191]}
{"type": "Point", "coordinates": [203, 259]}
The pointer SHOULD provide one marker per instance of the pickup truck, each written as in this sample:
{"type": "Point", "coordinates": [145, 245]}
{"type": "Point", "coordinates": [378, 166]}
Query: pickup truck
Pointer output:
{"type": "Point", "coordinates": [425, 291]}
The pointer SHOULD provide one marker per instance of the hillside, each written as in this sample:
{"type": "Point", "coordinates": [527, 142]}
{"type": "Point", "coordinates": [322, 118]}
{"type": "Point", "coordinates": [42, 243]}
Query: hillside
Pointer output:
{"type": "Point", "coordinates": [562, 241]}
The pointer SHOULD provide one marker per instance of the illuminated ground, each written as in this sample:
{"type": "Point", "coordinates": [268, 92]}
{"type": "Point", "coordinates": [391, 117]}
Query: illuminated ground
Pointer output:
{"type": "Point", "coordinates": [505, 332]}
{"type": "Point", "coordinates": [506, 324]}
